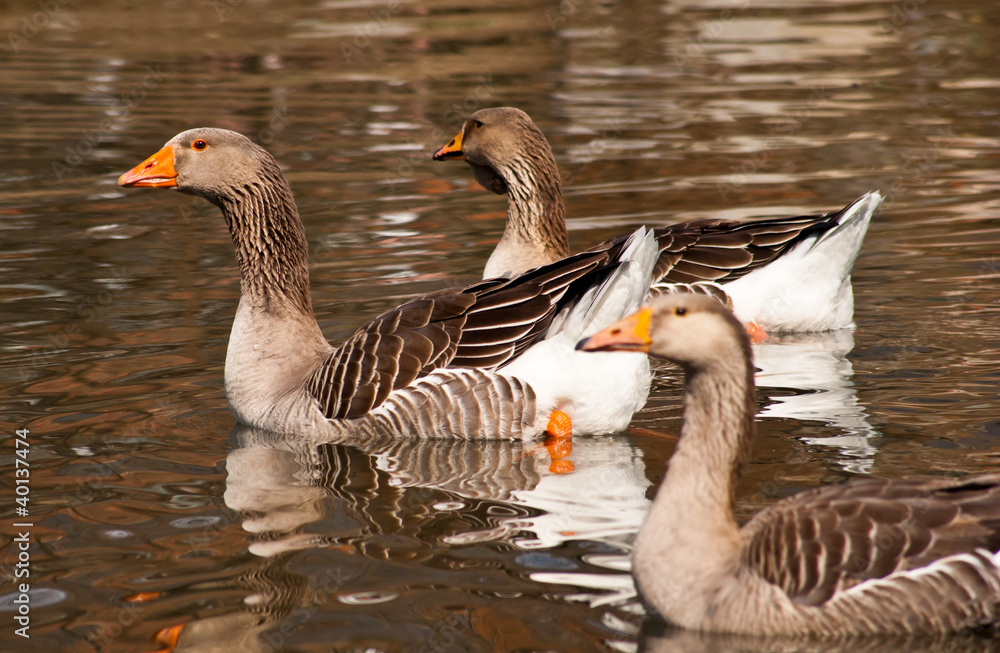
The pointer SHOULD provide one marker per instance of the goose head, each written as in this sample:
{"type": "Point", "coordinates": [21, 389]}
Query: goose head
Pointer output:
{"type": "Point", "coordinates": [694, 331]}
{"type": "Point", "coordinates": [498, 143]}
{"type": "Point", "coordinates": [211, 163]}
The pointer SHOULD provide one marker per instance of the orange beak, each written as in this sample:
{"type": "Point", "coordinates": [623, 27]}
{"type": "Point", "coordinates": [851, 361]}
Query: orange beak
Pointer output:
{"type": "Point", "coordinates": [155, 172]}
{"type": "Point", "coordinates": [628, 334]}
{"type": "Point", "coordinates": [452, 150]}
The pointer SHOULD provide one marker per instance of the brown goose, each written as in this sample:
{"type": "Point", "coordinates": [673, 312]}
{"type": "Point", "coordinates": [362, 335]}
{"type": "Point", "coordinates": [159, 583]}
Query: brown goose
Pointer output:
{"type": "Point", "coordinates": [495, 359]}
{"type": "Point", "coordinates": [872, 556]}
{"type": "Point", "coordinates": [781, 275]}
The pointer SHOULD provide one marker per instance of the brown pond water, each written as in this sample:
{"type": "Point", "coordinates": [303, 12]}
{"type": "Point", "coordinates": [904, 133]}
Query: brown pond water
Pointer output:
{"type": "Point", "coordinates": [150, 510]}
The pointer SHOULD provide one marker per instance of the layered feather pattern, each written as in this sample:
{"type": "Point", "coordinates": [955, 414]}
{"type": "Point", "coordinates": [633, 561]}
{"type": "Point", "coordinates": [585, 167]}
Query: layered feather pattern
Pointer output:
{"type": "Point", "coordinates": [819, 543]}
{"type": "Point", "coordinates": [489, 326]}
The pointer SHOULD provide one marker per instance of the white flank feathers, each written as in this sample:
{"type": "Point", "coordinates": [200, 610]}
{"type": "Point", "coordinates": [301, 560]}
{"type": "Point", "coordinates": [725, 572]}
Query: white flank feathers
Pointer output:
{"type": "Point", "coordinates": [809, 288]}
{"type": "Point", "coordinates": [599, 391]}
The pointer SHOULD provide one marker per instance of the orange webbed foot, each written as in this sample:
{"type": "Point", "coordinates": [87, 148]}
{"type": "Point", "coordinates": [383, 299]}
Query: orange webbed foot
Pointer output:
{"type": "Point", "coordinates": [167, 637]}
{"type": "Point", "coordinates": [562, 466]}
{"type": "Point", "coordinates": [560, 425]}
{"type": "Point", "coordinates": [559, 442]}
{"type": "Point", "coordinates": [757, 334]}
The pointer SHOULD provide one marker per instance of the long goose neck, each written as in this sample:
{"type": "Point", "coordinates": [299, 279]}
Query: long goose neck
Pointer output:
{"type": "Point", "coordinates": [535, 211]}
{"type": "Point", "coordinates": [270, 243]}
{"type": "Point", "coordinates": [700, 485]}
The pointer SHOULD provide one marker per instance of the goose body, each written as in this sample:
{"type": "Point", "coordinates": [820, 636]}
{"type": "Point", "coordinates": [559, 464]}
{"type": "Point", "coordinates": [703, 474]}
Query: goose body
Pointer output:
{"type": "Point", "coordinates": [783, 274]}
{"type": "Point", "coordinates": [478, 361]}
{"type": "Point", "coordinates": [867, 557]}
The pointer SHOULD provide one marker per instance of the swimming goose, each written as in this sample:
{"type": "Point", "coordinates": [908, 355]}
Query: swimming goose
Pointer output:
{"type": "Point", "coordinates": [495, 359]}
{"type": "Point", "coordinates": [778, 275]}
{"type": "Point", "coordinates": [871, 556]}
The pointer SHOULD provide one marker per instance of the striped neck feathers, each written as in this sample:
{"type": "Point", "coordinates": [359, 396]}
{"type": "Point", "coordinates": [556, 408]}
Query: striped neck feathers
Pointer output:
{"type": "Point", "coordinates": [535, 210]}
{"type": "Point", "coordinates": [270, 242]}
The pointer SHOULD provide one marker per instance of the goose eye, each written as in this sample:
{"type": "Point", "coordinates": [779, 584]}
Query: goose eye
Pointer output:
{"type": "Point", "coordinates": [478, 124]}
{"type": "Point", "coordinates": [199, 145]}
{"type": "Point", "coordinates": [680, 310]}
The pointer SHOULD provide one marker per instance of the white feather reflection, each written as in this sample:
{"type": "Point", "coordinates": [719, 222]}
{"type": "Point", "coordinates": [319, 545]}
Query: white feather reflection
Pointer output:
{"type": "Point", "coordinates": [595, 492]}
{"type": "Point", "coordinates": [814, 366]}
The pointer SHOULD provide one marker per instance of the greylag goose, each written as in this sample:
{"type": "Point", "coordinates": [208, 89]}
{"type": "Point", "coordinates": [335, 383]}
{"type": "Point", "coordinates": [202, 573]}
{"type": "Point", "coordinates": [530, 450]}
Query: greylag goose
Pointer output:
{"type": "Point", "coordinates": [866, 557]}
{"type": "Point", "coordinates": [778, 275]}
{"type": "Point", "coordinates": [494, 359]}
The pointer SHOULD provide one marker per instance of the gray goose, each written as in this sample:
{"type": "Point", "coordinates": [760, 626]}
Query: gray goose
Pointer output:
{"type": "Point", "coordinates": [495, 359]}
{"type": "Point", "coordinates": [866, 557]}
{"type": "Point", "coordinates": [778, 275]}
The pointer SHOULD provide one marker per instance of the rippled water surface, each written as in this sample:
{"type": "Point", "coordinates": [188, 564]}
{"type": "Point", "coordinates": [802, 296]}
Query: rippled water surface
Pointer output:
{"type": "Point", "coordinates": [153, 514]}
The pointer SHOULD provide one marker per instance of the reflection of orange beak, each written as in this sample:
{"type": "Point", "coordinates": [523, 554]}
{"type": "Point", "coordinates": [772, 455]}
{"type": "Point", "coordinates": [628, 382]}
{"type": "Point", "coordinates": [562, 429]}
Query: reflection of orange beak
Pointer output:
{"type": "Point", "coordinates": [155, 172]}
{"type": "Point", "coordinates": [628, 334]}
{"type": "Point", "coordinates": [452, 150]}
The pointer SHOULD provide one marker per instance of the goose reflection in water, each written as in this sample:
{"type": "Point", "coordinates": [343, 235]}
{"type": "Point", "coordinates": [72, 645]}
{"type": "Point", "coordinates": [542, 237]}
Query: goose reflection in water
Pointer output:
{"type": "Point", "coordinates": [350, 502]}
{"type": "Point", "coordinates": [815, 369]}
{"type": "Point", "coordinates": [294, 495]}
{"type": "Point", "coordinates": [658, 637]}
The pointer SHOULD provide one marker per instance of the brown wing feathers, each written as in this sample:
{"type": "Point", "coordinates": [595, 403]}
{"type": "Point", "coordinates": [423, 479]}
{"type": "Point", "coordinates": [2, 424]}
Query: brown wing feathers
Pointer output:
{"type": "Point", "coordinates": [387, 353]}
{"type": "Point", "coordinates": [819, 542]}
{"type": "Point", "coordinates": [483, 326]}
{"type": "Point", "coordinates": [725, 250]}
{"type": "Point", "coordinates": [560, 284]}
{"type": "Point", "coordinates": [488, 324]}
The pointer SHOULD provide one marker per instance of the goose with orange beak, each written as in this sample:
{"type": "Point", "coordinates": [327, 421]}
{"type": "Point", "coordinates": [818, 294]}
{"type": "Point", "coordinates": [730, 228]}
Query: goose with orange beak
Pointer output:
{"type": "Point", "coordinates": [779, 275]}
{"type": "Point", "coordinates": [495, 359]}
{"type": "Point", "coordinates": [870, 557]}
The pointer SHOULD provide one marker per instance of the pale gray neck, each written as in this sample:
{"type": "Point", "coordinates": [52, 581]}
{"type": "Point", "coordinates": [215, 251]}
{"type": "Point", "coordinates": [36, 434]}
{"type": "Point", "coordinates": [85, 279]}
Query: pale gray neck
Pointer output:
{"type": "Point", "coordinates": [275, 341]}
{"type": "Point", "coordinates": [270, 244]}
{"type": "Point", "coordinates": [535, 233]}
{"type": "Point", "coordinates": [699, 490]}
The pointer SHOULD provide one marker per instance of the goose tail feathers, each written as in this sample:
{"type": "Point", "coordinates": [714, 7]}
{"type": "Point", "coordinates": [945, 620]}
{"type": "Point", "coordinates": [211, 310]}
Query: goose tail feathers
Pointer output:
{"type": "Point", "coordinates": [809, 287]}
